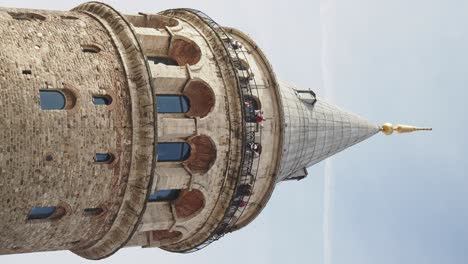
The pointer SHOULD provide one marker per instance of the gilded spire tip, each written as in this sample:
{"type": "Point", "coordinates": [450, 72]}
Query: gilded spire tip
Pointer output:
{"type": "Point", "coordinates": [388, 129]}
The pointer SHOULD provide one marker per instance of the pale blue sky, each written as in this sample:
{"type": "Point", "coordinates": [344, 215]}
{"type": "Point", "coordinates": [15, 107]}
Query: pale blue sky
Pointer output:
{"type": "Point", "coordinates": [400, 199]}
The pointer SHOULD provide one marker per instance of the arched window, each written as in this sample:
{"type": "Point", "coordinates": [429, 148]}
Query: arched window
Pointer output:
{"type": "Point", "coordinates": [102, 100]}
{"type": "Point", "coordinates": [52, 100]}
{"type": "Point", "coordinates": [41, 212]}
{"type": "Point", "coordinates": [57, 99]}
{"type": "Point", "coordinates": [172, 104]}
{"type": "Point", "coordinates": [163, 60]}
{"type": "Point", "coordinates": [164, 195]}
{"type": "Point", "coordinates": [173, 151]}
{"type": "Point", "coordinates": [103, 158]}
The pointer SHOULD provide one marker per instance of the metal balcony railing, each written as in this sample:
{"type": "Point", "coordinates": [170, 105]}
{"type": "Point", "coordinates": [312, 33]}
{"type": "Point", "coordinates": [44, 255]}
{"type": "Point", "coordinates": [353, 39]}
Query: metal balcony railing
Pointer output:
{"type": "Point", "coordinates": [252, 133]}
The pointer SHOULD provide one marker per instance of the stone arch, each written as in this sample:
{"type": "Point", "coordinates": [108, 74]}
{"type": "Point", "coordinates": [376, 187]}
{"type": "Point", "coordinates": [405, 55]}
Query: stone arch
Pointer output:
{"type": "Point", "coordinates": [189, 203]}
{"type": "Point", "coordinates": [203, 154]}
{"type": "Point", "coordinates": [201, 97]}
{"type": "Point", "coordinates": [184, 51]}
{"type": "Point", "coordinates": [172, 50]}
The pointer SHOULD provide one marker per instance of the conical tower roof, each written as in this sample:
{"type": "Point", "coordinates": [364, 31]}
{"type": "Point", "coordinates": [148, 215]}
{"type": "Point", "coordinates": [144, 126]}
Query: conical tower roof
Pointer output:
{"type": "Point", "coordinates": [315, 130]}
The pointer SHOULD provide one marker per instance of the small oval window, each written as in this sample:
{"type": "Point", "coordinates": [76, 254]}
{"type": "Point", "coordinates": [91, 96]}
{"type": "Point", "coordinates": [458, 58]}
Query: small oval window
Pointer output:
{"type": "Point", "coordinates": [102, 100]}
{"type": "Point", "coordinates": [103, 158]}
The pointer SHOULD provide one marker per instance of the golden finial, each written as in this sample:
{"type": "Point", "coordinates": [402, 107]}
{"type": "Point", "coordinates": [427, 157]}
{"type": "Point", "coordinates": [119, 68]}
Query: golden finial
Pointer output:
{"type": "Point", "coordinates": [388, 129]}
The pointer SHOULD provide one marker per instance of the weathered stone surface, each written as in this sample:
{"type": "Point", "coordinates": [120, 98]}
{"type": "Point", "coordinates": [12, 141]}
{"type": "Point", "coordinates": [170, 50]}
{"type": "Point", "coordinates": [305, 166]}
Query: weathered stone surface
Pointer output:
{"type": "Point", "coordinates": [46, 156]}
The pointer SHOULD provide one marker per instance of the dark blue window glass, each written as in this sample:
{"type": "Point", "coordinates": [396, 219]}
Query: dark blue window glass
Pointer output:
{"type": "Point", "coordinates": [173, 151]}
{"type": "Point", "coordinates": [52, 100]}
{"type": "Point", "coordinates": [103, 157]}
{"type": "Point", "coordinates": [102, 100]}
{"type": "Point", "coordinates": [163, 60]}
{"type": "Point", "coordinates": [164, 195]}
{"type": "Point", "coordinates": [172, 104]}
{"type": "Point", "coordinates": [41, 212]}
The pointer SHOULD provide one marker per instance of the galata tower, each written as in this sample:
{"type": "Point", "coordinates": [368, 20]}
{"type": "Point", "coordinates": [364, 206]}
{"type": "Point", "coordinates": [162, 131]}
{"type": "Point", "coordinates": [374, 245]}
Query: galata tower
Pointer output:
{"type": "Point", "coordinates": [152, 130]}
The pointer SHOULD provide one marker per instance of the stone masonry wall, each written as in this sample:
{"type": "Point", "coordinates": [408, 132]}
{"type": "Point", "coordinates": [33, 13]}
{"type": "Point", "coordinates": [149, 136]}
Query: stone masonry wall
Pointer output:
{"type": "Point", "coordinates": [51, 50]}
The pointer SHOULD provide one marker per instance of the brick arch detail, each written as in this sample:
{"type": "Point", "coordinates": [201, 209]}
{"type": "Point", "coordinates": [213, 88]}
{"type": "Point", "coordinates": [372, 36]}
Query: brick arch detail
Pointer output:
{"type": "Point", "coordinates": [201, 97]}
{"type": "Point", "coordinates": [202, 154]}
{"type": "Point", "coordinates": [189, 203]}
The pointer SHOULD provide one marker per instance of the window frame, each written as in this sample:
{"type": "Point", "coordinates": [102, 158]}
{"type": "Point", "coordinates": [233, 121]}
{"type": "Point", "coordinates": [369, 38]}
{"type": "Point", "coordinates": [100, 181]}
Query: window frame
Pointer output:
{"type": "Point", "coordinates": [41, 215]}
{"type": "Point", "coordinates": [109, 158]}
{"type": "Point", "coordinates": [168, 61]}
{"type": "Point", "coordinates": [172, 195]}
{"type": "Point", "coordinates": [184, 153]}
{"type": "Point", "coordinates": [182, 101]}
{"type": "Point", "coordinates": [43, 104]}
{"type": "Point", "coordinates": [106, 99]}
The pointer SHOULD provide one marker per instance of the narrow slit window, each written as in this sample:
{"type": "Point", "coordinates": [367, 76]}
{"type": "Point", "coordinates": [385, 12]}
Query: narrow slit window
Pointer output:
{"type": "Point", "coordinates": [41, 213]}
{"type": "Point", "coordinates": [93, 211]}
{"type": "Point", "coordinates": [52, 100]}
{"type": "Point", "coordinates": [27, 72]}
{"type": "Point", "coordinates": [102, 100]}
{"type": "Point", "coordinates": [90, 48]}
{"type": "Point", "coordinates": [103, 158]}
{"type": "Point", "coordinates": [172, 104]}
{"type": "Point", "coordinates": [163, 60]}
{"type": "Point", "coordinates": [164, 195]}
{"type": "Point", "coordinates": [27, 16]}
{"type": "Point", "coordinates": [173, 151]}
{"type": "Point", "coordinates": [69, 17]}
